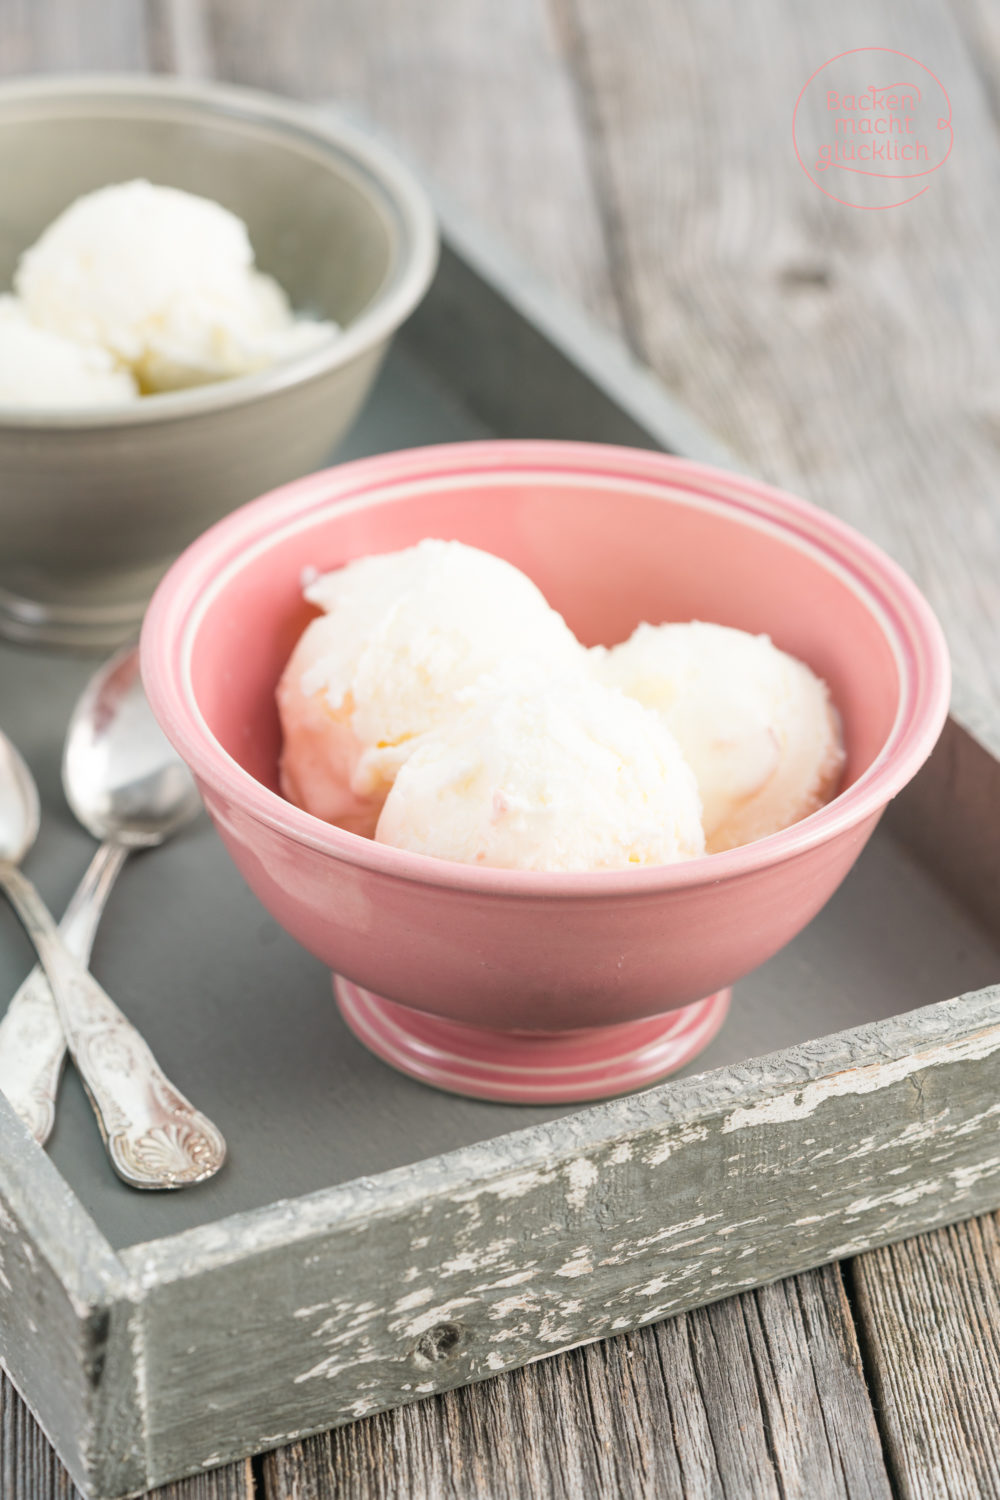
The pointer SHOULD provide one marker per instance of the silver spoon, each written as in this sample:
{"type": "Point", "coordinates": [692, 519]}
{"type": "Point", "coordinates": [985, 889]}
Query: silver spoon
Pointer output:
{"type": "Point", "coordinates": [155, 1137]}
{"type": "Point", "coordinates": [128, 787]}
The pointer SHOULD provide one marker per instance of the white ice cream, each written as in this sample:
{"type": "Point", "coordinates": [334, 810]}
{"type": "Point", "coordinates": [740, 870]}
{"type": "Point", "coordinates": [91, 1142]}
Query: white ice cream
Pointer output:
{"type": "Point", "coordinates": [165, 282]}
{"type": "Point", "coordinates": [402, 633]}
{"type": "Point", "coordinates": [39, 369]}
{"type": "Point", "coordinates": [756, 726]}
{"type": "Point", "coordinates": [565, 775]}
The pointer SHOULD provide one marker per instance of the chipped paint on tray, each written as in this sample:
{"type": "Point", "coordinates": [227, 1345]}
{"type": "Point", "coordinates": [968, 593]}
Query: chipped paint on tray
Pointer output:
{"type": "Point", "coordinates": [797, 1104]}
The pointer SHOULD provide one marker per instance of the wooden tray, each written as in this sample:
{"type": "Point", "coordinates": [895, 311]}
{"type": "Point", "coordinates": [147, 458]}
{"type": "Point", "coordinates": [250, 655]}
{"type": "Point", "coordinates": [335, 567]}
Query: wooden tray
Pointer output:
{"type": "Point", "coordinates": [371, 1240]}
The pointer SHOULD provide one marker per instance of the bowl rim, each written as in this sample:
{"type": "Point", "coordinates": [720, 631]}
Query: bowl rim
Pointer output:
{"type": "Point", "coordinates": [907, 621]}
{"type": "Point", "coordinates": [390, 186]}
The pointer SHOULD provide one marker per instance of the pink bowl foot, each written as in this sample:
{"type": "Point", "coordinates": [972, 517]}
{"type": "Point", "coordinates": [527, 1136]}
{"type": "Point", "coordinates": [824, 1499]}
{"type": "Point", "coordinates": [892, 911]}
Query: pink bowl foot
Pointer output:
{"type": "Point", "coordinates": [530, 1067]}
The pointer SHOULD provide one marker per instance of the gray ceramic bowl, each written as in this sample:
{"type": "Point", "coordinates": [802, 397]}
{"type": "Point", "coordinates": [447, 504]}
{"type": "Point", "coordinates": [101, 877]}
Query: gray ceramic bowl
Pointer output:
{"type": "Point", "coordinates": [94, 505]}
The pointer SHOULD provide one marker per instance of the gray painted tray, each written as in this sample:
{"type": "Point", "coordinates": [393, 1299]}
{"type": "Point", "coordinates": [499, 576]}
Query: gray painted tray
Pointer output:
{"type": "Point", "coordinates": [371, 1240]}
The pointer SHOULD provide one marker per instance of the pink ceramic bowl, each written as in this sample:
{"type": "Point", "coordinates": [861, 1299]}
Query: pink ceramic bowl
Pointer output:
{"type": "Point", "coordinates": [518, 984]}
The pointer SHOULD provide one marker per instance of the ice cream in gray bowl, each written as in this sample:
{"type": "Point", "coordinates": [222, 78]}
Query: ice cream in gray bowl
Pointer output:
{"type": "Point", "coordinates": [184, 381]}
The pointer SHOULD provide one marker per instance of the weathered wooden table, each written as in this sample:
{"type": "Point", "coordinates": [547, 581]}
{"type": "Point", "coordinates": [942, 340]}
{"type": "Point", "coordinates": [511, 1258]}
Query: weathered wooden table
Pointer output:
{"type": "Point", "coordinates": [638, 152]}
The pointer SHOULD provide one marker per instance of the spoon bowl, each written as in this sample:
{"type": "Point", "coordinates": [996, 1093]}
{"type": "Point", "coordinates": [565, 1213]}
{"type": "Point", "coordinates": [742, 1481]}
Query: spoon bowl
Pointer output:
{"type": "Point", "coordinates": [19, 810]}
{"type": "Point", "coordinates": [127, 786]}
{"type": "Point", "coordinates": [122, 778]}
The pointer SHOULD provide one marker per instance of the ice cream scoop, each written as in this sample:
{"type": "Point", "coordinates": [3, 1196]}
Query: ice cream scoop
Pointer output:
{"type": "Point", "coordinates": [165, 282]}
{"type": "Point", "coordinates": [401, 634]}
{"type": "Point", "coordinates": [562, 775]}
{"type": "Point", "coordinates": [42, 369]}
{"type": "Point", "coordinates": [756, 726]}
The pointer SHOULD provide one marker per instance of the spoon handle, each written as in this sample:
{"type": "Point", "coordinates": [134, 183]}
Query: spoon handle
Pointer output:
{"type": "Point", "coordinates": [32, 1042]}
{"type": "Point", "coordinates": [155, 1137]}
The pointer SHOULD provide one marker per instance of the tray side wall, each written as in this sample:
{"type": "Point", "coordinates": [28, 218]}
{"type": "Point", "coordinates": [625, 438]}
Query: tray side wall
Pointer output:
{"type": "Point", "coordinates": [552, 373]}
{"type": "Point", "coordinates": [948, 815]}
{"type": "Point", "coordinates": [810, 1155]}
{"type": "Point", "coordinates": [66, 1321]}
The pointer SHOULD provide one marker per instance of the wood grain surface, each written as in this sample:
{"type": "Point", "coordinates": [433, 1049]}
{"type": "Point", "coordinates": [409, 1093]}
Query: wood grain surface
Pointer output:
{"type": "Point", "coordinates": [637, 153]}
{"type": "Point", "coordinates": [30, 1470]}
{"type": "Point", "coordinates": [733, 1400]}
{"type": "Point", "coordinates": [929, 1316]}
{"type": "Point", "coordinates": [479, 94]}
{"type": "Point", "coordinates": [71, 36]}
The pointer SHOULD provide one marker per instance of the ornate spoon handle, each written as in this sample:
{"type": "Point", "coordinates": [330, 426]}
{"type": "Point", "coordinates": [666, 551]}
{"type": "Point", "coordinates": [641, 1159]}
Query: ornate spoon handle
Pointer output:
{"type": "Point", "coordinates": [32, 1043]}
{"type": "Point", "coordinates": [155, 1137]}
